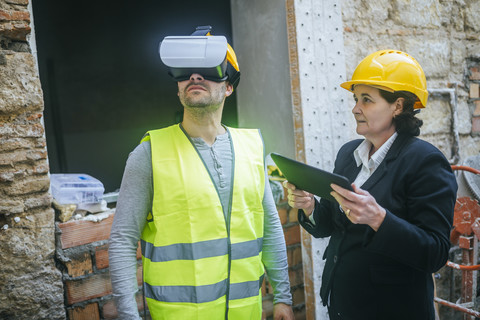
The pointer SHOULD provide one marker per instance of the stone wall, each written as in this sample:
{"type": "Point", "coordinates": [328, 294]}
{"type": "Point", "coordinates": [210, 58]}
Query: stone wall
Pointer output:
{"type": "Point", "coordinates": [30, 284]}
{"type": "Point", "coordinates": [443, 37]}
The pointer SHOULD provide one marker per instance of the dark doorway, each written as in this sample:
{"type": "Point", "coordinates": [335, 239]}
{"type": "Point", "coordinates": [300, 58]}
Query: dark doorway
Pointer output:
{"type": "Point", "coordinates": [104, 84]}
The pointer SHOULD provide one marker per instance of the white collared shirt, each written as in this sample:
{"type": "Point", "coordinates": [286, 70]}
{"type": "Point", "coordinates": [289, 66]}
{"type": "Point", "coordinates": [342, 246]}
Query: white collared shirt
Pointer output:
{"type": "Point", "coordinates": [370, 165]}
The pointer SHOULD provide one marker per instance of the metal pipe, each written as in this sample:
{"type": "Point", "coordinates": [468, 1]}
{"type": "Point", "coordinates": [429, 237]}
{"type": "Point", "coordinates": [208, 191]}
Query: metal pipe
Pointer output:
{"type": "Point", "coordinates": [465, 168]}
{"type": "Point", "coordinates": [457, 307]}
{"type": "Point", "coordinates": [463, 267]}
{"type": "Point", "coordinates": [452, 93]}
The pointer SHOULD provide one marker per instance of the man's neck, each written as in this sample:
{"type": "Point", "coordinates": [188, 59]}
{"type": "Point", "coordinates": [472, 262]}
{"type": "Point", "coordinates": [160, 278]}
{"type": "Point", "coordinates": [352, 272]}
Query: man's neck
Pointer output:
{"type": "Point", "coordinates": [207, 127]}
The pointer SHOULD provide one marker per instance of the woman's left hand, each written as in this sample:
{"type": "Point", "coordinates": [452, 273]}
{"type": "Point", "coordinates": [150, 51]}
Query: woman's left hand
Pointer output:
{"type": "Point", "coordinates": [359, 206]}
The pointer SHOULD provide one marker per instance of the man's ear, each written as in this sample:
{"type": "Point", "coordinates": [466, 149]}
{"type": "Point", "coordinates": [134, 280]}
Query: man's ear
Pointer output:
{"type": "Point", "coordinates": [229, 89]}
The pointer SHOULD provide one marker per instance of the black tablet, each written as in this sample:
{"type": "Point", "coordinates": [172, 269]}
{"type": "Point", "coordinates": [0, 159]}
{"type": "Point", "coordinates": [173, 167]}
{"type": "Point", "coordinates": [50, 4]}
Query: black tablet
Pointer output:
{"type": "Point", "coordinates": [308, 178]}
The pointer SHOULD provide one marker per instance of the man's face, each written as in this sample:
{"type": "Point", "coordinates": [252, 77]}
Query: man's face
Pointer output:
{"type": "Point", "coordinates": [203, 94]}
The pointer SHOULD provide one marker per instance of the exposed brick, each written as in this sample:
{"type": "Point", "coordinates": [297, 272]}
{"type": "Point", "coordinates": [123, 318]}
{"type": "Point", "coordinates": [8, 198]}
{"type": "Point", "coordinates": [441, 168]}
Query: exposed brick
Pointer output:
{"type": "Point", "coordinates": [476, 112]}
{"type": "Point", "coordinates": [292, 235]}
{"type": "Point", "coordinates": [293, 215]}
{"type": "Point", "coordinates": [101, 257]}
{"type": "Point", "coordinates": [80, 263]}
{"type": "Point", "coordinates": [476, 125]}
{"type": "Point", "coordinates": [474, 73]}
{"type": "Point", "coordinates": [298, 296]}
{"type": "Point", "coordinates": [282, 214]}
{"type": "Point", "coordinates": [296, 277]}
{"type": "Point", "coordinates": [264, 289]}
{"type": "Point", "coordinates": [76, 233]}
{"type": "Point", "coordinates": [97, 285]}
{"type": "Point", "coordinates": [294, 255]}
{"type": "Point", "coordinates": [474, 90]}
{"type": "Point", "coordinates": [109, 310]}
{"type": "Point", "coordinates": [140, 275]}
{"type": "Point", "coordinates": [88, 312]}
{"type": "Point", "coordinates": [139, 251]}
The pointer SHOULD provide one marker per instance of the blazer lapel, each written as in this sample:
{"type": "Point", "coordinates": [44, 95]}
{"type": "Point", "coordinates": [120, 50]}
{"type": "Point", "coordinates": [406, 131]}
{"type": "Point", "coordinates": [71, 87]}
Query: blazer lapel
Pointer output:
{"type": "Point", "coordinates": [392, 154]}
{"type": "Point", "coordinates": [351, 171]}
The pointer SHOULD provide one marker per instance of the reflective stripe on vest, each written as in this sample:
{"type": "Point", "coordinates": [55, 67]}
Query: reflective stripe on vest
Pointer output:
{"type": "Point", "coordinates": [199, 263]}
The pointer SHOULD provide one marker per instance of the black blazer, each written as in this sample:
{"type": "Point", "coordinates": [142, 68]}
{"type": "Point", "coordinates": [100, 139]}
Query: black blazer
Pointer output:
{"type": "Point", "coordinates": [388, 274]}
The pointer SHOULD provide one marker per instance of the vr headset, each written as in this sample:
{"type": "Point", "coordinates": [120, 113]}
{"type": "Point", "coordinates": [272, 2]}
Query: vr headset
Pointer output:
{"type": "Point", "coordinates": [209, 56]}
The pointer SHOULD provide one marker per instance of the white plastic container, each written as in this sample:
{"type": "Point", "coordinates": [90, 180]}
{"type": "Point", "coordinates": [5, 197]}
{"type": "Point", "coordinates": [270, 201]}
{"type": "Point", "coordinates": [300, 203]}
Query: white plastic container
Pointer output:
{"type": "Point", "coordinates": [76, 188]}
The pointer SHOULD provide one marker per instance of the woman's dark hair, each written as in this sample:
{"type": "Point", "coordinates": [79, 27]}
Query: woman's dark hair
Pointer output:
{"type": "Point", "coordinates": [405, 122]}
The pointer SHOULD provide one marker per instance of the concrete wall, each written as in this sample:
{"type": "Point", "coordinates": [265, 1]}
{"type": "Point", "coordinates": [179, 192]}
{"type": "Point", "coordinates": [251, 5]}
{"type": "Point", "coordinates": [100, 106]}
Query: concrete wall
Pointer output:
{"type": "Point", "coordinates": [263, 96]}
{"type": "Point", "coordinates": [30, 284]}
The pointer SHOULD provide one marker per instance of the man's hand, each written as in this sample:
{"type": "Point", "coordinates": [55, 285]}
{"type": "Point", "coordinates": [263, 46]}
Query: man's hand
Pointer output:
{"type": "Point", "coordinates": [281, 311]}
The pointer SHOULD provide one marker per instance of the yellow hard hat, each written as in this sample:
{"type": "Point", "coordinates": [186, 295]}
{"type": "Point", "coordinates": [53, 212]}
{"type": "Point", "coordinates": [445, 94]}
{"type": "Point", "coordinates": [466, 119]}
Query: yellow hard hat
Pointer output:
{"type": "Point", "coordinates": [391, 70]}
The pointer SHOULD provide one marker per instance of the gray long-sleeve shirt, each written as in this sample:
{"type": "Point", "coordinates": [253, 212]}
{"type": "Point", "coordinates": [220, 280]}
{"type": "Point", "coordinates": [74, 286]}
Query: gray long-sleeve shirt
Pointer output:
{"type": "Point", "coordinates": [135, 202]}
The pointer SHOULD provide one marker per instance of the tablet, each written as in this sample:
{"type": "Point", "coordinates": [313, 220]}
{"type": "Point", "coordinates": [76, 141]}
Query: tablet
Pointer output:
{"type": "Point", "coordinates": [308, 178]}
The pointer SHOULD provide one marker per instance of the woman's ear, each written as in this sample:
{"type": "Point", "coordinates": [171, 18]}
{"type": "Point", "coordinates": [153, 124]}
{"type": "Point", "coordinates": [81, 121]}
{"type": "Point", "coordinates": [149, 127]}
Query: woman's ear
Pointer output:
{"type": "Point", "coordinates": [398, 105]}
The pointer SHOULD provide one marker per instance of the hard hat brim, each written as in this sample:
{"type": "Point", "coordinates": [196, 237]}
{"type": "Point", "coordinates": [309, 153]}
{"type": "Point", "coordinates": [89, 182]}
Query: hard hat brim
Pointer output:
{"type": "Point", "coordinates": [422, 95]}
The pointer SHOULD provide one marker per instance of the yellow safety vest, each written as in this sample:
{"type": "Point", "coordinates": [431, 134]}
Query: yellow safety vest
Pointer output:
{"type": "Point", "coordinates": [198, 262]}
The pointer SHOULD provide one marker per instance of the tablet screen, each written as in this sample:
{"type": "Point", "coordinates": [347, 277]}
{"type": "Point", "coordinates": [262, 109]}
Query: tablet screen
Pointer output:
{"type": "Point", "coordinates": [308, 178]}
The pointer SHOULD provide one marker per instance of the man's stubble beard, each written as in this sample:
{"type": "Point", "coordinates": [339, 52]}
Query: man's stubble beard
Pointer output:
{"type": "Point", "coordinates": [206, 104]}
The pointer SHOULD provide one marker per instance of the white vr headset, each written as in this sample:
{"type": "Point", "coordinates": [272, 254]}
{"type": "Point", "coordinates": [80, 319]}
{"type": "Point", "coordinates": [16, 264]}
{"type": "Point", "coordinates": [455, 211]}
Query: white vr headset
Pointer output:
{"type": "Point", "coordinates": [185, 55]}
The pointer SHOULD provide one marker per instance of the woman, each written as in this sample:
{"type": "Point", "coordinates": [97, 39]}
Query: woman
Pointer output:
{"type": "Point", "coordinates": [392, 232]}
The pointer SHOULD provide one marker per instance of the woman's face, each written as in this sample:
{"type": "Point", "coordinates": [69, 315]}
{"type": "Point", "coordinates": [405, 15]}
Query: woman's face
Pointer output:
{"type": "Point", "coordinates": [373, 114]}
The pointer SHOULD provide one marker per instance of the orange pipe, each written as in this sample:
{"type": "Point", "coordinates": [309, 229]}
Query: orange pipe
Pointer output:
{"type": "Point", "coordinates": [469, 169]}
{"type": "Point", "coordinates": [463, 267]}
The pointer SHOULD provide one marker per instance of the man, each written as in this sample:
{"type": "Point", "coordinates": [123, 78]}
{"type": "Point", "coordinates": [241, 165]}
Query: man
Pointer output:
{"type": "Point", "coordinates": [197, 196]}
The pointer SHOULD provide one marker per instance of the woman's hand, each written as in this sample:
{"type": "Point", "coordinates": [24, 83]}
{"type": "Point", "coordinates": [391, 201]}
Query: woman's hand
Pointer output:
{"type": "Point", "coordinates": [299, 199]}
{"type": "Point", "coordinates": [359, 206]}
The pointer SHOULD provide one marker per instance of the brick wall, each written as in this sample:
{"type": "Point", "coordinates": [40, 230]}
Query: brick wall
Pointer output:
{"type": "Point", "coordinates": [82, 251]}
{"type": "Point", "coordinates": [82, 248]}
{"type": "Point", "coordinates": [31, 286]}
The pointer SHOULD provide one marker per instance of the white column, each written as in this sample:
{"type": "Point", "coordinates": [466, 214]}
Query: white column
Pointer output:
{"type": "Point", "coordinates": [326, 107]}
